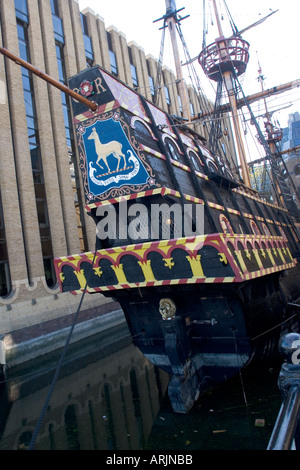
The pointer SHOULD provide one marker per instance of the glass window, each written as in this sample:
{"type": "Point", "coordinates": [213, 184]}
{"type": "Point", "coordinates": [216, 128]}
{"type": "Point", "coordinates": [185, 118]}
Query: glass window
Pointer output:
{"type": "Point", "coordinates": [296, 142]}
{"type": "Point", "coordinates": [192, 109]}
{"type": "Point", "coordinates": [28, 103]}
{"type": "Point", "coordinates": [69, 135]}
{"type": "Point", "coordinates": [113, 62]}
{"type": "Point", "coordinates": [152, 87]}
{"type": "Point", "coordinates": [21, 31]}
{"type": "Point", "coordinates": [88, 47]}
{"type": "Point", "coordinates": [134, 75]}
{"type": "Point", "coordinates": [54, 7]}
{"type": "Point", "coordinates": [173, 152]}
{"type": "Point", "coordinates": [23, 51]}
{"type": "Point", "coordinates": [84, 24]}
{"type": "Point", "coordinates": [58, 29]}
{"type": "Point", "coordinates": [5, 280]}
{"type": "Point", "coordinates": [42, 214]}
{"type": "Point", "coordinates": [49, 272]}
{"type": "Point", "coordinates": [33, 138]}
{"type": "Point", "coordinates": [21, 10]}
{"type": "Point", "coordinates": [167, 95]}
{"type": "Point", "coordinates": [112, 55]}
{"type": "Point", "coordinates": [180, 104]}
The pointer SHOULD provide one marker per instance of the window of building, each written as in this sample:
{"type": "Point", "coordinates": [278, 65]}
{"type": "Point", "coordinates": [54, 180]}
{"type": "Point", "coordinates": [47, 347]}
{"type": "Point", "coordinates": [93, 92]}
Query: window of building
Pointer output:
{"type": "Point", "coordinates": [297, 169]}
{"type": "Point", "coordinates": [133, 69]}
{"type": "Point", "coordinates": [296, 129]}
{"type": "Point", "coordinates": [87, 41]}
{"type": "Point", "coordinates": [192, 110]}
{"type": "Point", "coordinates": [151, 81]}
{"type": "Point", "coordinates": [152, 87]}
{"type": "Point", "coordinates": [168, 99]}
{"type": "Point", "coordinates": [21, 10]}
{"type": "Point", "coordinates": [180, 104]}
{"type": "Point", "coordinates": [54, 7]}
{"type": "Point", "coordinates": [35, 153]}
{"type": "Point", "coordinates": [5, 280]}
{"type": "Point", "coordinates": [112, 55]}
{"type": "Point", "coordinates": [71, 147]}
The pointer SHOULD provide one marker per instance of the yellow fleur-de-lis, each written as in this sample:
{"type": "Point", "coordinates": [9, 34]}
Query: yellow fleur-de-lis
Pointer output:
{"type": "Point", "coordinates": [169, 262]}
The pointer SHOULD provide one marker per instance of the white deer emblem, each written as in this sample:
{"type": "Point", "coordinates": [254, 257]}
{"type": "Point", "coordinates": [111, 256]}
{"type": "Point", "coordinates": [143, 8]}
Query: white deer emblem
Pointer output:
{"type": "Point", "coordinates": [104, 150]}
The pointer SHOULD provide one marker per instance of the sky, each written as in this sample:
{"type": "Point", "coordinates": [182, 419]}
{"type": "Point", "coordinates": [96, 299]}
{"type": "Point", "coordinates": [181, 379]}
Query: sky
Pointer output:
{"type": "Point", "coordinates": [275, 42]}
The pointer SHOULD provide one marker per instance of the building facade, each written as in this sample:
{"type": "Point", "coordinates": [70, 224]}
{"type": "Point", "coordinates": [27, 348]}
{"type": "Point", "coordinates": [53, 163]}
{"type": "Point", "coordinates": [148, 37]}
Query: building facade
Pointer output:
{"type": "Point", "coordinates": [291, 155]}
{"type": "Point", "coordinates": [42, 215]}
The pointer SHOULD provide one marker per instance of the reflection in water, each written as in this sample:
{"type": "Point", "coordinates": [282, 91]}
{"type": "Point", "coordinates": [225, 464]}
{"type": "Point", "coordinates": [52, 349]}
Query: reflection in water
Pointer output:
{"type": "Point", "coordinates": [109, 397]}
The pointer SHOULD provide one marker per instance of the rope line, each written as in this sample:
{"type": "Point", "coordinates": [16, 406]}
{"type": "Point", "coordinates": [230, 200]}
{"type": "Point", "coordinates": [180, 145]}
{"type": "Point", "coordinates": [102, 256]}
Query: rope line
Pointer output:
{"type": "Point", "coordinates": [55, 377]}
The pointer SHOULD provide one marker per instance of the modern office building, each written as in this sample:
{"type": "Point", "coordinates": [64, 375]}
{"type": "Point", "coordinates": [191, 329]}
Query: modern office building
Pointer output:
{"type": "Point", "coordinates": [290, 148]}
{"type": "Point", "coordinates": [42, 215]}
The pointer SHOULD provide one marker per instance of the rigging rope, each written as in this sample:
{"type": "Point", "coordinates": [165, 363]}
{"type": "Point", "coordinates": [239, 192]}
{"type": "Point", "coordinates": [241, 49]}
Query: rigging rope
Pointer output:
{"type": "Point", "coordinates": [232, 23]}
{"type": "Point", "coordinates": [55, 377]}
{"type": "Point", "coordinates": [158, 88]}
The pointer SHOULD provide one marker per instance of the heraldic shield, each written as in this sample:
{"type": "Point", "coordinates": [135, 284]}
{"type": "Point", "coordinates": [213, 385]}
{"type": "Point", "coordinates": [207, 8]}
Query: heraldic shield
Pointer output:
{"type": "Point", "coordinates": [111, 161]}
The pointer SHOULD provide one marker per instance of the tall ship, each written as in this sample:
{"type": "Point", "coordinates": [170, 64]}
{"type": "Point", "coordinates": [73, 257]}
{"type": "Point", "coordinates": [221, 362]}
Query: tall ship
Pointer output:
{"type": "Point", "coordinates": [204, 266]}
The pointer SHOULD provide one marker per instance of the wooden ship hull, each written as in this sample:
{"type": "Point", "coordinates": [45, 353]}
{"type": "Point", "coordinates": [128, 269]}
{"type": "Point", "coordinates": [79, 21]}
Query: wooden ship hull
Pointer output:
{"type": "Point", "coordinates": [205, 271]}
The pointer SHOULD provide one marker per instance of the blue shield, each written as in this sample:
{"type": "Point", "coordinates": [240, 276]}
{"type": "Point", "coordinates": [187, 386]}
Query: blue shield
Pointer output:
{"type": "Point", "coordinates": [111, 160]}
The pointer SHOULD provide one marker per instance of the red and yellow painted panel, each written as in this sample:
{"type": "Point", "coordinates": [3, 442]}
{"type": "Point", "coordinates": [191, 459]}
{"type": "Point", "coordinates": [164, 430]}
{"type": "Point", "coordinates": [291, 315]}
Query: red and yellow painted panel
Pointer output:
{"type": "Point", "coordinates": [214, 258]}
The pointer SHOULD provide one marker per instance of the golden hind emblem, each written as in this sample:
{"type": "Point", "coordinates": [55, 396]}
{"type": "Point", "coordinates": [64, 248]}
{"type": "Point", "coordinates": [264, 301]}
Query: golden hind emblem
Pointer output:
{"type": "Point", "coordinates": [104, 150]}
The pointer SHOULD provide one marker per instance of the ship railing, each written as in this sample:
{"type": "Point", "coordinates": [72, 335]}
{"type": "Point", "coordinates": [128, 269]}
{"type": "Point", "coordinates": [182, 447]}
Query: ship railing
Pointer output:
{"type": "Point", "coordinates": [286, 431]}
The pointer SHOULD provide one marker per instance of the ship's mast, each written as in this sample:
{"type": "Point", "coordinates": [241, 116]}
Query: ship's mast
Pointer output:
{"type": "Point", "coordinates": [273, 135]}
{"type": "Point", "coordinates": [224, 60]}
{"type": "Point", "coordinates": [171, 20]}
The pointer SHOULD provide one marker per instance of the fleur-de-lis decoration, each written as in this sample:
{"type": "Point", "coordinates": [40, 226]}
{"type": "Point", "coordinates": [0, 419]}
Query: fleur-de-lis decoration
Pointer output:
{"type": "Point", "coordinates": [248, 254]}
{"type": "Point", "coordinates": [169, 262]}
{"type": "Point", "coordinates": [263, 252]}
{"type": "Point", "coordinates": [223, 258]}
{"type": "Point", "coordinates": [98, 271]}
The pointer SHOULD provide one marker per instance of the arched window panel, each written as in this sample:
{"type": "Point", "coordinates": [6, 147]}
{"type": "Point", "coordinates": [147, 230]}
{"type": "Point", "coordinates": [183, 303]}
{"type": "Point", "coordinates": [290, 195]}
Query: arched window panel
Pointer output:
{"type": "Point", "coordinates": [142, 128]}
{"type": "Point", "coordinates": [283, 233]}
{"type": "Point", "coordinates": [254, 228]}
{"type": "Point", "coordinates": [225, 224]}
{"type": "Point", "coordinates": [196, 161]}
{"type": "Point", "coordinates": [266, 230]}
{"type": "Point", "coordinates": [172, 148]}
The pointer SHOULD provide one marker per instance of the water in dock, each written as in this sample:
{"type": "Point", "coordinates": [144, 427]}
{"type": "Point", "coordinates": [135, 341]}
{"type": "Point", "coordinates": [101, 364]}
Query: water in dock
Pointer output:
{"type": "Point", "coordinates": [109, 397]}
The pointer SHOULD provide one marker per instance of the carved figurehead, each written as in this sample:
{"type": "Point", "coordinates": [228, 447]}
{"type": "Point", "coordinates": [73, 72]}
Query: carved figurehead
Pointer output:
{"type": "Point", "coordinates": [167, 308]}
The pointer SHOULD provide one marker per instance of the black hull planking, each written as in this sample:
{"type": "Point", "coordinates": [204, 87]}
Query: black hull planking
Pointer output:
{"type": "Point", "coordinates": [215, 330]}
